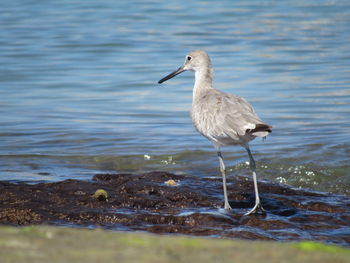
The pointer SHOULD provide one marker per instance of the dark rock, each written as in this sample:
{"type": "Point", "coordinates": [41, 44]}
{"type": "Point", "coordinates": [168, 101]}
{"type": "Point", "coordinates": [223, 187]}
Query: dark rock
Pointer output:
{"type": "Point", "coordinates": [191, 206]}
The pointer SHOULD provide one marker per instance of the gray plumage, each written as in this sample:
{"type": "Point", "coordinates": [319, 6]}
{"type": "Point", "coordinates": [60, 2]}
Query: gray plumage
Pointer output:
{"type": "Point", "coordinates": [225, 119]}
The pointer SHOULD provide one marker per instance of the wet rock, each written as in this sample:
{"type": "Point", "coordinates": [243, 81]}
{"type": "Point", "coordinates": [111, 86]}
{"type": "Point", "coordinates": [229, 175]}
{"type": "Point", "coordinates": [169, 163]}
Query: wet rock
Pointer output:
{"type": "Point", "coordinates": [193, 206]}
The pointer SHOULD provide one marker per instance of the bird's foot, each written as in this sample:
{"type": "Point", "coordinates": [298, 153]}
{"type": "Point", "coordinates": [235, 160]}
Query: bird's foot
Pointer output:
{"type": "Point", "coordinates": [257, 209]}
{"type": "Point", "coordinates": [227, 207]}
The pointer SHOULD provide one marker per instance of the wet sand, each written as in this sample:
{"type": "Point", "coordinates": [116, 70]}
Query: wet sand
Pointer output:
{"type": "Point", "coordinates": [160, 202]}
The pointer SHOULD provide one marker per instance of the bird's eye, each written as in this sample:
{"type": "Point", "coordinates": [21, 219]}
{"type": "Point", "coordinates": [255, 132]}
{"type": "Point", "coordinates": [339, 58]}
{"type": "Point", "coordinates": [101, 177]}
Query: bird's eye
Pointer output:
{"type": "Point", "coordinates": [189, 58]}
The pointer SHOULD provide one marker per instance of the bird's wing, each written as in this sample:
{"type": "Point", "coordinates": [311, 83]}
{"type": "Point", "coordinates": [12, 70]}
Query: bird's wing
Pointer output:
{"type": "Point", "coordinates": [234, 114]}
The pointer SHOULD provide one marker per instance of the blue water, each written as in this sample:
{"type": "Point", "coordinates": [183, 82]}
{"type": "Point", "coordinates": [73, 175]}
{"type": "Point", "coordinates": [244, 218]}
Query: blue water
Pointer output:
{"type": "Point", "coordinates": [79, 92]}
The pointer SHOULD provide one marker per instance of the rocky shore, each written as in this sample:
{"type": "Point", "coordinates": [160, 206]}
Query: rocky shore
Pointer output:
{"type": "Point", "coordinates": [160, 202]}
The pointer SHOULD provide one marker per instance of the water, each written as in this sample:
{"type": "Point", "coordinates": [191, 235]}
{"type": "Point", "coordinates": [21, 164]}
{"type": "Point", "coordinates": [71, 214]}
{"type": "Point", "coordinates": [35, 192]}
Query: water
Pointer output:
{"type": "Point", "coordinates": [79, 92]}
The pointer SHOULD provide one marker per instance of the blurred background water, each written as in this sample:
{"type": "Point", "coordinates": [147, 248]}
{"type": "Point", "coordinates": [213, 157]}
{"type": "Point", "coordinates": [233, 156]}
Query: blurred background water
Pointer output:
{"type": "Point", "coordinates": [79, 92]}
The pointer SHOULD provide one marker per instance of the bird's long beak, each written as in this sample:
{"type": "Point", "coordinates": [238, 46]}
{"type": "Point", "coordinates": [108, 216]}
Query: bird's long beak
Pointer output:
{"type": "Point", "coordinates": [173, 74]}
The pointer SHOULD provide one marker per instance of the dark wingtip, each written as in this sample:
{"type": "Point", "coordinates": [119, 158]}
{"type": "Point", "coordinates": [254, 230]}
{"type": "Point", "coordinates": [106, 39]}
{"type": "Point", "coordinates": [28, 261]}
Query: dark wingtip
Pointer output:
{"type": "Point", "coordinates": [260, 127]}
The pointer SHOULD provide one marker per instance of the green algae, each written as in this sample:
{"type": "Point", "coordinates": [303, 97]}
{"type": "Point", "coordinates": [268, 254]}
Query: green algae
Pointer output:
{"type": "Point", "coordinates": [59, 244]}
{"type": "Point", "coordinates": [316, 246]}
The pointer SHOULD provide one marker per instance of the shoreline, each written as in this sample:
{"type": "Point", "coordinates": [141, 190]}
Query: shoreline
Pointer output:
{"type": "Point", "coordinates": [166, 203]}
{"type": "Point", "coordinates": [61, 244]}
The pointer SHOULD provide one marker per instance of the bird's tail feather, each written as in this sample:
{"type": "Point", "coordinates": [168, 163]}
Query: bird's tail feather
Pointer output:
{"type": "Point", "coordinates": [260, 130]}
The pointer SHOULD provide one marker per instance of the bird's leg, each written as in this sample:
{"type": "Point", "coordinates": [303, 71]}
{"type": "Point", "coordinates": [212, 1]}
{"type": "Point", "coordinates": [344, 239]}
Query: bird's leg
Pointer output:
{"type": "Point", "coordinates": [223, 170]}
{"type": "Point", "coordinates": [257, 207]}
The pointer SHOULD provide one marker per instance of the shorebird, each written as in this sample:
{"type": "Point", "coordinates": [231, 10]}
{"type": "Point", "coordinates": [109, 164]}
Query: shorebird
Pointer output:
{"type": "Point", "coordinates": [224, 119]}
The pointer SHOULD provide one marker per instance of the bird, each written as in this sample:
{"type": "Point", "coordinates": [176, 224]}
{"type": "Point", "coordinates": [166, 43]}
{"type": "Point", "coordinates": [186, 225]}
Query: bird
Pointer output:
{"type": "Point", "coordinates": [224, 119]}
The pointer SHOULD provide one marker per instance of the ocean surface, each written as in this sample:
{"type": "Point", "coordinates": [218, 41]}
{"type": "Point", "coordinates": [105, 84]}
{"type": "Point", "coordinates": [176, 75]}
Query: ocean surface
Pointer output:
{"type": "Point", "coordinates": [79, 92]}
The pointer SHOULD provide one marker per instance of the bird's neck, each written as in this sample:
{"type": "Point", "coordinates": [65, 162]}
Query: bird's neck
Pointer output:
{"type": "Point", "coordinates": [203, 81]}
